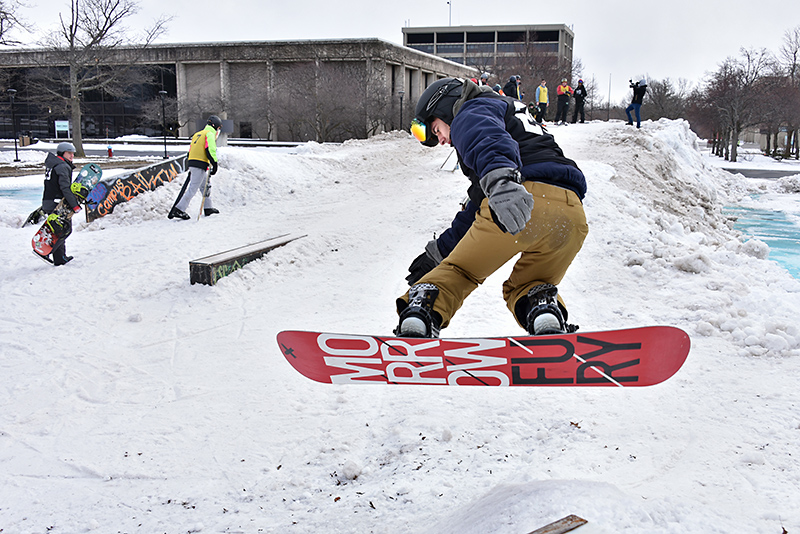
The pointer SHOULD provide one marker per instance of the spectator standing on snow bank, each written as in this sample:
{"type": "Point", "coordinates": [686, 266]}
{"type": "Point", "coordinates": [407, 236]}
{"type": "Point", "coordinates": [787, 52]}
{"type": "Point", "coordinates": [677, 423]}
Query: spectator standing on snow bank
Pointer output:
{"type": "Point", "coordinates": [564, 91]}
{"type": "Point", "coordinates": [639, 90]}
{"type": "Point", "coordinates": [513, 87]}
{"type": "Point", "coordinates": [541, 101]}
{"type": "Point", "coordinates": [580, 95]}
{"type": "Point", "coordinates": [202, 153]}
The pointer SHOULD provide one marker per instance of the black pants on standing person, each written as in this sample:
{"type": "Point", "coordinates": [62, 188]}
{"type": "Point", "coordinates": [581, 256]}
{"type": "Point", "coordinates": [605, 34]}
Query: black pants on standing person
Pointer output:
{"type": "Point", "coordinates": [578, 109]}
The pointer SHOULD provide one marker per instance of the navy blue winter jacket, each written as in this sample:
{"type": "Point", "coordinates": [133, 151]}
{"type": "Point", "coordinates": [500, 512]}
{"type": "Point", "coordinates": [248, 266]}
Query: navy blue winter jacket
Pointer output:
{"type": "Point", "coordinates": [491, 132]}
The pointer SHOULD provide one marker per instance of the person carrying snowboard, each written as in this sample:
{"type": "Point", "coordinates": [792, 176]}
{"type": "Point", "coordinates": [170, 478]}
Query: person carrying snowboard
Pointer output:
{"type": "Point", "coordinates": [57, 186]}
{"type": "Point", "coordinates": [528, 200]}
{"type": "Point", "coordinates": [202, 153]}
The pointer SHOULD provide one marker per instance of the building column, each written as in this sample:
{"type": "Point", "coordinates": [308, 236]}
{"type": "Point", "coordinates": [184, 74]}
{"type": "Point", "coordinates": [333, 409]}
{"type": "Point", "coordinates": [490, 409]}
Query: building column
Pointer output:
{"type": "Point", "coordinates": [224, 93]}
{"type": "Point", "coordinates": [180, 79]}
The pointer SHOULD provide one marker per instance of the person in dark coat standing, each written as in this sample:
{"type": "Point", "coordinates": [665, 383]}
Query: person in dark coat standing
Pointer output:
{"type": "Point", "coordinates": [580, 100]}
{"type": "Point", "coordinates": [639, 90]}
{"type": "Point", "coordinates": [513, 87]}
{"type": "Point", "coordinates": [57, 183]}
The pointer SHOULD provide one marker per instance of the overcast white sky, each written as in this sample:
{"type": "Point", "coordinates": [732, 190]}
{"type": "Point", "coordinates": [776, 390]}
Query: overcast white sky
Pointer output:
{"type": "Point", "coordinates": [615, 39]}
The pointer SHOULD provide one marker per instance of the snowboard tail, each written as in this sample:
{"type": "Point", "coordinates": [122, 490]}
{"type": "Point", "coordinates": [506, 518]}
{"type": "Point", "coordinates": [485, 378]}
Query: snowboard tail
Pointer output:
{"type": "Point", "coordinates": [615, 358]}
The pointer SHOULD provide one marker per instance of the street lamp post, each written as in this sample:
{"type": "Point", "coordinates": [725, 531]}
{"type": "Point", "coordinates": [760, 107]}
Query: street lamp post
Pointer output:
{"type": "Point", "coordinates": [11, 93]}
{"type": "Point", "coordinates": [162, 94]}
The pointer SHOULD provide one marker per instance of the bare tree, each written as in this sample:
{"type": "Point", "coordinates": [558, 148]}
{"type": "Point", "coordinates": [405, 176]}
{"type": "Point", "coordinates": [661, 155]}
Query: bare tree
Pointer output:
{"type": "Point", "coordinates": [9, 22]}
{"type": "Point", "coordinates": [789, 60]}
{"type": "Point", "coordinates": [534, 64]}
{"type": "Point", "coordinates": [789, 57]}
{"type": "Point", "coordinates": [666, 99]}
{"type": "Point", "coordinates": [85, 43]}
{"type": "Point", "coordinates": [736, 90]}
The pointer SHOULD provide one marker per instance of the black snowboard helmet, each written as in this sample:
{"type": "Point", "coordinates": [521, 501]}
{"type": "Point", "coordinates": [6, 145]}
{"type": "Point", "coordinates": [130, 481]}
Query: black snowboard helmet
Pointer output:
{"type": "Point", "coordinates": [436, 101]}
{"type": "Point", "coordinates": [215, 122]}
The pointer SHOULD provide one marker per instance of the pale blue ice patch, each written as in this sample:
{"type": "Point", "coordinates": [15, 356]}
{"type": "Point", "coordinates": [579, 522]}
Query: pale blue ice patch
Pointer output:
{"type": "Point", "coordinates": [776, 229]}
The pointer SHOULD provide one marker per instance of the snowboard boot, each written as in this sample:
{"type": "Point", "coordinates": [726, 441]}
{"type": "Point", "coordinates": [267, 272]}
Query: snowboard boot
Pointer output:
{"type": "Point", "coordinates": [544, 313]}
{"type": "Point", "coordinates": [418, 319]}
{"type": "Point", "coordinates": [210, 211]}
{"type": "Point", "coordinates": [180, 214]}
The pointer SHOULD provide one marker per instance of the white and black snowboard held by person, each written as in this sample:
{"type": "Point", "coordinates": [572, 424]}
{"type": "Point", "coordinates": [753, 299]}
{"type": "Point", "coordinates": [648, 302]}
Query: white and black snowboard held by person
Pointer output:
{"type": "Point", "coordinates": [202, 154]}
{"type": "Point", "coordinates": [57, 186]}
{"type": "Point", "coordinates": [525, 198]}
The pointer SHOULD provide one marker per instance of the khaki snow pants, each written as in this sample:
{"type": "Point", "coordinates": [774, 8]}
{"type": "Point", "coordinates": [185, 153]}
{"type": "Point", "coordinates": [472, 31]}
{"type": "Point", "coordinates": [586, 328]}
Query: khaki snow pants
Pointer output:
{"type": "Point", "coordinates": [549, 243]}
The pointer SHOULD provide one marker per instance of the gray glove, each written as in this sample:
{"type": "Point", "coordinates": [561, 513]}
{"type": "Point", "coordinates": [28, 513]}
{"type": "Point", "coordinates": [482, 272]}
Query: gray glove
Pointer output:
{"type": "Point", "coordinates": [509, 201]}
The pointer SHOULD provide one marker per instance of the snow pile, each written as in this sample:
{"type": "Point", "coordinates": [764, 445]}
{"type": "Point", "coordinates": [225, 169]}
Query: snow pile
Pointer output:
{"type": "Point", "coordinates": [669, 226]}
{"type": "Point", "coordinates": [25, 156]}
{"type": "Point", "coordinates": [133, 401]}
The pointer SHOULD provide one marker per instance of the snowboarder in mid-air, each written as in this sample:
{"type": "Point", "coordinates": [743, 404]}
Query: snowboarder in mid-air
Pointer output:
{"type": "Point", "coordinates": [526, 197]}
{"type": "Point", "coordinates": [202, 153]}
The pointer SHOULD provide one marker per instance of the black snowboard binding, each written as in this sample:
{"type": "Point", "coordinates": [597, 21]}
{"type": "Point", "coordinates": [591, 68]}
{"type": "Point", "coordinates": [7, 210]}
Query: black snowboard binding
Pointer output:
{"type": "Point", "coordinates": [545, 314]}
{"type": "Point", "coordinates": [418, 319]}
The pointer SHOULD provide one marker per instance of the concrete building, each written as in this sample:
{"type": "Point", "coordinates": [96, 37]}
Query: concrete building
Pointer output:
{"type": "Point", "coordinates": [489, 48]}
{"type": "Point", "coordinates": [325, 90]}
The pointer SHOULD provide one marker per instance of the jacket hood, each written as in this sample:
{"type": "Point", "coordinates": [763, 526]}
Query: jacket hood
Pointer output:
{"type": "Point", "coordinates": [469, 91]}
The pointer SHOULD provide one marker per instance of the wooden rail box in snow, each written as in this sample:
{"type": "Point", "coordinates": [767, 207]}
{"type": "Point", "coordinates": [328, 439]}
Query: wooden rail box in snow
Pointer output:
{"type": "Point", "coordinates": [210, 269]}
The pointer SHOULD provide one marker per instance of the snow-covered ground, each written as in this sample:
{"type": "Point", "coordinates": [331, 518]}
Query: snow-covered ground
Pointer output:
{"type": "Point", "coordinates": [132, 401]}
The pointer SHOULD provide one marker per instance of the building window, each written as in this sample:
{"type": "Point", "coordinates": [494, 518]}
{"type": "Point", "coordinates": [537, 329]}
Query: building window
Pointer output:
{"type": "Point", "coordinates": [246, 130]}
{"type": "Point", "coordinates": [480, 48]}
{"type": "Point", "coordinates": [450, 49]}
{"type": "Point", "coordinates": [419, 38]}
{"type": "Point", "coordinates": [423, 48]}
{"type": "Point", "coordinates": [511, 37]}
{"type": "Point", "coordinates": [448, 37]}
{"type": "Point", "coordinates": [480, 37]}
{"type": "Point", "coordinates": [539, 37]}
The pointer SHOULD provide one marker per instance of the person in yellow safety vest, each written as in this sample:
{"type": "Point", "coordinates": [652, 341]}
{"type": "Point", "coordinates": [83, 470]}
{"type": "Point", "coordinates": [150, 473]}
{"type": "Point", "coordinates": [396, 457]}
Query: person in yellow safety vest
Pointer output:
{"type": "Point", "coordinates": [542, 100]}
{"type": "Point", "coordinates": [202, 153]}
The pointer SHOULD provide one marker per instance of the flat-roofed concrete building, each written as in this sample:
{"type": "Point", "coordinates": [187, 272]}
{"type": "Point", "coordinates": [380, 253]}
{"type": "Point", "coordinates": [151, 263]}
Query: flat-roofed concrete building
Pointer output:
{"type": "Point", "coordinates": [490, 47]}
{"type": "Point", "coordinates": [318, 90]}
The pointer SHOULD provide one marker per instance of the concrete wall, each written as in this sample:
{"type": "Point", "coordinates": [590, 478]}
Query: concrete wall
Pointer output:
{"type": "Point", "coordinates": [289, 90]}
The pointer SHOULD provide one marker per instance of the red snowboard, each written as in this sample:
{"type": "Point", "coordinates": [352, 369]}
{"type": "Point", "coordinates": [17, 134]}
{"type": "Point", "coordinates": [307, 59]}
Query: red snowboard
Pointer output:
{"type": "Point", "coordinates": [620, 358]}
